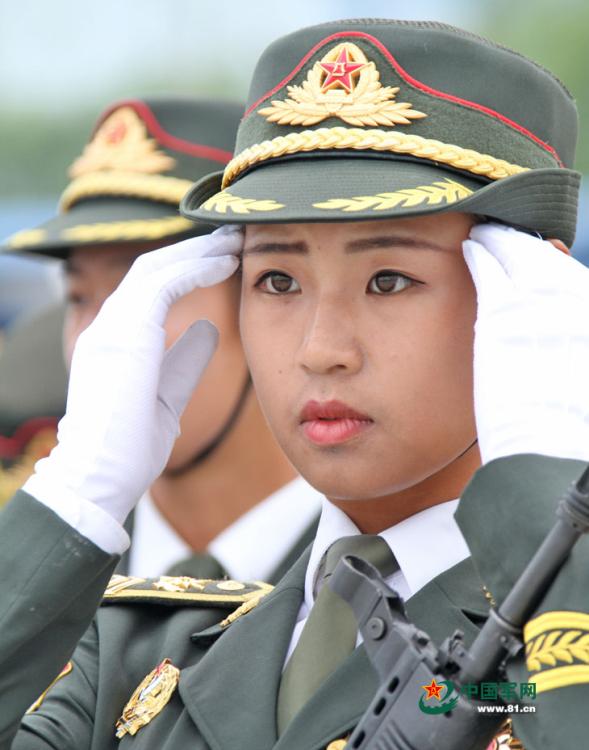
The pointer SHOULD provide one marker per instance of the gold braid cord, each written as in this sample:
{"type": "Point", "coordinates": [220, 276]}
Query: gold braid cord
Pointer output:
{"type": "Point", "coordinates": [27, 237]}
{"type": "Point", "coordinates": [139, 229]}
{"type": "Point", "coordinates": [149, 187]}
{"type": "Point", "coordinates": [357, 139]}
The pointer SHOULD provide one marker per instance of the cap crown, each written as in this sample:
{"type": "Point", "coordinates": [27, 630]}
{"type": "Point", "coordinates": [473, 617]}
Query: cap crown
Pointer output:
{"type": "Point", "coordinates": [424, 79]}
{"type": "Point", "coordinates": [153, 149]}
{"type": "Point", "coordinates": [370, 119]}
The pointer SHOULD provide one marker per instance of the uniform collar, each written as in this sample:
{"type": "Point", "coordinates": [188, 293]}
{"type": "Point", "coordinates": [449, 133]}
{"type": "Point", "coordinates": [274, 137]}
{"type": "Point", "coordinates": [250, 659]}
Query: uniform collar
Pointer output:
{"type": "Point", "coordinates": [425, 544]}
{"type": "Point", "coordinates": [279, 520]}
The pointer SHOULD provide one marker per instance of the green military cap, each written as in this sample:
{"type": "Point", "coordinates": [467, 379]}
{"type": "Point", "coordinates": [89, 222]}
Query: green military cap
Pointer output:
{"type": "Point", "coordinates": [126, 185]}
{"type": "Point", "coordinates": [373, 119]}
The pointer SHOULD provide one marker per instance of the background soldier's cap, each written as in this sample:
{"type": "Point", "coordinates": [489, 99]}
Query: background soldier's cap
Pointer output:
{"type": "Point", "coordinates": [369, 119]}
{"type": "Point", "coordinates": [126, 185]}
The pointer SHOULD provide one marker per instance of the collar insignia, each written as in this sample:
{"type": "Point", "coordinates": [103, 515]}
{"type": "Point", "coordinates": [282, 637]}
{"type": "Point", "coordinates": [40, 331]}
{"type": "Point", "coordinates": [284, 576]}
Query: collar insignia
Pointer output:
{"type": "Point", "coordinates": [343, 84]}
{"type": "Point", "coordinates": [122, 143]}
{"type": "Point", "coordinates": [151, 695]}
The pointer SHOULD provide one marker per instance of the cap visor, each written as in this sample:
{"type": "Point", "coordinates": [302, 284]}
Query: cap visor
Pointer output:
{"type": "Point", "coordinates": [104, 221]}
{"type": "Point", "coordinates": [354, 188]}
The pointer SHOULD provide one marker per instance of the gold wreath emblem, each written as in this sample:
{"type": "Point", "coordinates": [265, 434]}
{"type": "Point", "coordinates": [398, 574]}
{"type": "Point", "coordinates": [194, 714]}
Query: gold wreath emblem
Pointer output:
{"type": "Point", "coordinates": [122, 143]}
{"type": "Point", "coordinates": [504, 739]}
{"type": "Point", "coordinates": [446, 191]}
{"type": "Point", "coordinates": [344, 84]}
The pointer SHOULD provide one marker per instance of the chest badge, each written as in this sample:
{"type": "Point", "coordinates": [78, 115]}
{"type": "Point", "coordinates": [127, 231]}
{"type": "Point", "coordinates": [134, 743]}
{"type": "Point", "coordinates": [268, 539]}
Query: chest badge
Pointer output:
{"type": "Point", "coordinates": [151, 695]}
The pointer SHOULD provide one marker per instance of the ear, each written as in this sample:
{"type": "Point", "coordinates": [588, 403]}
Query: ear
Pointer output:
{"type": "Point", "coordinates": [559, 245]}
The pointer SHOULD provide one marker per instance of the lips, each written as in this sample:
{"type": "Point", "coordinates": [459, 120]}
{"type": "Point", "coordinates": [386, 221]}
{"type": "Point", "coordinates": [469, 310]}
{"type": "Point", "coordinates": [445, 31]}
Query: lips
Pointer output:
{"type": "Point", "coordinates": [332, 422]}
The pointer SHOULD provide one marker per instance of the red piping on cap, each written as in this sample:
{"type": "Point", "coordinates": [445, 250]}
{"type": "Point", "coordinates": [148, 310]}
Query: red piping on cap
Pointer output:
{"type": "Point", "coordinates": [166, 139]}
{"type": "Point", "coordinates": [413, 81]}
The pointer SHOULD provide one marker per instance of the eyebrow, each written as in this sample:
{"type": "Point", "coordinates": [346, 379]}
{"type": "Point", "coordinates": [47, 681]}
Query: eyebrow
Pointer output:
{"type": "Point", "coordinates": [276, 247]}
{"type": "Point", "coordinates": [354, 246]}
{"type": "Point", "coordinates": [390, 241]}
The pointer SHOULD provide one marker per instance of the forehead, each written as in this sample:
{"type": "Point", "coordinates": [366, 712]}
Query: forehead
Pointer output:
{"type": "Point", "coordinates": [444, 228]}
{"type": "Point", "coordinates": [105, 258]}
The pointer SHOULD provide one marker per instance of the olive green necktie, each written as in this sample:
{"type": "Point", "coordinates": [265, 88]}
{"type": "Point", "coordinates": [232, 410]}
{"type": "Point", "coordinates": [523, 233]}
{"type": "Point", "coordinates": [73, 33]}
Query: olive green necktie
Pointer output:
{"type": "Point", "coordinates": [329, 635]}
{"type": "Point", "coordinates": [198, 565]}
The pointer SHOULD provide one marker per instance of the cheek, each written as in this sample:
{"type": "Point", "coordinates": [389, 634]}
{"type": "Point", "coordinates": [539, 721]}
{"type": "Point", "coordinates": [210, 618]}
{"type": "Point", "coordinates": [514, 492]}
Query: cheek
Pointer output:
{"type": "Point", "coordinates": [211, 303]}
{"type": "Point", "coordinates": [438, 362]}
{"type": "Point", "coordinates": [267, 339]}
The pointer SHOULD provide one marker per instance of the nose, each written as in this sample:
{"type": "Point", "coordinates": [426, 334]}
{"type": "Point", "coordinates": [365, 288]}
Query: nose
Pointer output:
{"type": "Point", "coordinates": [330, 342]}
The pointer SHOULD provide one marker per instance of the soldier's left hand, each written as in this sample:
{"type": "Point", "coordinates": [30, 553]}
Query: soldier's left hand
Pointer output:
{"type": "Point", "coordinates": [127, 392]}
{"type": "Point", "coordinates": [531, 350]}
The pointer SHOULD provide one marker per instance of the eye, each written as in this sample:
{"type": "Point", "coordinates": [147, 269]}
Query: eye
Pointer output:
{"type": "Point", "coordinates": [388, 282]}
{"type": "Point", "coordinates": [276, 282]}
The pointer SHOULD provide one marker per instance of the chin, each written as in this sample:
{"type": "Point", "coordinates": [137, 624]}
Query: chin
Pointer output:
{"type": "Point", "coordinates": [349, 480]}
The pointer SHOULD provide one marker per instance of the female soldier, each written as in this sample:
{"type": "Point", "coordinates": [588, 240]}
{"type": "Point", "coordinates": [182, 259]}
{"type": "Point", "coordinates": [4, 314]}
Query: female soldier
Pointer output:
{"type": "Point", "coordinates": [359, 336]}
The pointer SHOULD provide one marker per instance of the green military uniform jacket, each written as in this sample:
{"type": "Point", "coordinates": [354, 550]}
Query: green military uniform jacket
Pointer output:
{"type": "Point", "coordinates": [229, 675]}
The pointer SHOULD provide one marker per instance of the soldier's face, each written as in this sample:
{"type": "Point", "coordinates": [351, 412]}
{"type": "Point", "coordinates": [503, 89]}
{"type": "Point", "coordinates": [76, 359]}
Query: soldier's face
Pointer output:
{"type": "Point", "coordinates": [93, 273]}
{"type": "Point", "coordinates": [359, 337]}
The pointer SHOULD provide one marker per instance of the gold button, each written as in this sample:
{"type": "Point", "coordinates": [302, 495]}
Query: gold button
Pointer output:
{"type": "Point", "coordinates": [337, 745]}
{"type": "Point", "coordinates": [230, 586]}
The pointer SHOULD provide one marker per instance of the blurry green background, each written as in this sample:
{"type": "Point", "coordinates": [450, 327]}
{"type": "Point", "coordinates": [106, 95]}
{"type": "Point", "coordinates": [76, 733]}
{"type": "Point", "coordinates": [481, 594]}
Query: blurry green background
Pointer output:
{"type": "Point", "coordinates": [62, 62]}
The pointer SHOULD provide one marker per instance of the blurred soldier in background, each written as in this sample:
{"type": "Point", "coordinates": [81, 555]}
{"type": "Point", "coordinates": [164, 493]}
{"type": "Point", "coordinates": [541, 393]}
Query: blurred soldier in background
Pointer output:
{"type": "Point", "coordinates": [33, 382]}
{"type": "Point", "coordinates": [121, 202]}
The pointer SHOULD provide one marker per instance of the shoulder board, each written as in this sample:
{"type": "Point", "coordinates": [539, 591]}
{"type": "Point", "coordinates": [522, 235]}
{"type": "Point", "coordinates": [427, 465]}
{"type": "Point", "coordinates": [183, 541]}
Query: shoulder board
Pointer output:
{"type": "Point", "coordinates": [179, 591]}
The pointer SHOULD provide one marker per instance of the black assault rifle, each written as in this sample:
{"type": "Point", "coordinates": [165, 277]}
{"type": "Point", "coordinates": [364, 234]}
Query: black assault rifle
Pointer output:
{"type": "Point", "coordinates": [406, 659]}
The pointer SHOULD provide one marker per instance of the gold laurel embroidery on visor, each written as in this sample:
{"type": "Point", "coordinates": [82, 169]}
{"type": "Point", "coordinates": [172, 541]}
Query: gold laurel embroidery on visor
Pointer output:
{"type": "Point", "coordinates": [224, 201]}
{"type": "Point", "coordinates": [557, 649]}
{"type": "Point", "coordinates": [113, 183]}
{"type": "Point", "coordinates": [324, 139]}
{"type": "Point", "coordinates": [346, 85]}
{"type": "Point", "coordinates": [27, 237]}
{"type": "Point", "coordinates": [122, 143]}
{"type": "Point", "coordinates": [446, 191]}
{"type": "Point", "coordinates": [137, 229]}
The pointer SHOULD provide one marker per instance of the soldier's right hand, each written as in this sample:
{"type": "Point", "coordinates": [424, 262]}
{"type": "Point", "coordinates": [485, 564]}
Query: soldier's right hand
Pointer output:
{"type": "Point", "coordinates": [127, 393]}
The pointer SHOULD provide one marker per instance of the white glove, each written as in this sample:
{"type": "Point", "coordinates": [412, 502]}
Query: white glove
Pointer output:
{"type": "Point", "coordinates": [126, 392]}
{"type": "Point", "coordinates": [531, 354]}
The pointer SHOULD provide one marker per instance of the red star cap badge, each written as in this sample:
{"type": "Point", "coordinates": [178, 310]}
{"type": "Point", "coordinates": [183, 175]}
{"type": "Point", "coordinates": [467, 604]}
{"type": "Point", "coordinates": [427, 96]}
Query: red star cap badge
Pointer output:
{"type": "Point", "coordinates": [340, 72]}
{"type": "Point", "coordinates": [433, 690]}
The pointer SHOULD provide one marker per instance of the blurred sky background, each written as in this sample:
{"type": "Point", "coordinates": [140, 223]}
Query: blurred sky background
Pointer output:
{"type": "Point", "coordinates": [63, 61]}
